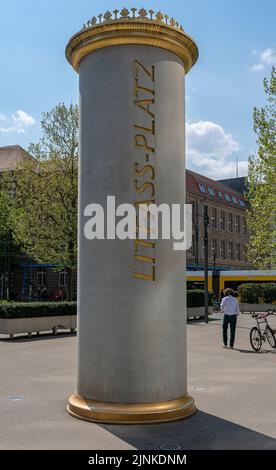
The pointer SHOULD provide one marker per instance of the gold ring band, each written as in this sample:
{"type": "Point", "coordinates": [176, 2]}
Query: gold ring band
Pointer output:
{"type": "Point", "coordinates": [146, 33]}
{"type": "Point", "coordinates": [141, 413]}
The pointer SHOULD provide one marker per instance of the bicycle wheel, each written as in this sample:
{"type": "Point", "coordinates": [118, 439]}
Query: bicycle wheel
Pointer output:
{"type": "Point", "coordinates": [255, 339]}
{"type": "Point", "coordinates": [270, 337]}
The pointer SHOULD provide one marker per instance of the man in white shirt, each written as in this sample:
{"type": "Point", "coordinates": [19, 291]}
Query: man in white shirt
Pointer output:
{"type": "Point", "coordinates": [230, 307]}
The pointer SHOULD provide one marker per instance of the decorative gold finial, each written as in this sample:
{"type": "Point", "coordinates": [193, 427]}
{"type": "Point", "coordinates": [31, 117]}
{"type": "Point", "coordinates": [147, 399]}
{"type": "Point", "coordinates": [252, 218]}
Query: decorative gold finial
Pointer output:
{"type": "Point", "coordinates": [116, 13]}
{"type": "Point", "coordinates": [125, 13]}
{"type": "Point", "coordinates": [133, 12]}
{"type": "Point", "coordinates": [159, 16]}
{"type": "Point", "coordinates": [172, 22]}
{"type": "Point", "coordinates": [143, 14]}
{"type": "Point", "coordinates": [107, 16]}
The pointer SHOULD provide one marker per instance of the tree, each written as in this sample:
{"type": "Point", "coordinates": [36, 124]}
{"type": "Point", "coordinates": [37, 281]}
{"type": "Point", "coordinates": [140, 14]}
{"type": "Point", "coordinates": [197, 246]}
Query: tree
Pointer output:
{"type": "Point", "coordinates": [9, 251]}
{"type": "Point", "coordinates": [5, 209]}
{"type": "Point", "coordinates": [44, 217]}
{"type": "Point", "coordinates": [262, 182]}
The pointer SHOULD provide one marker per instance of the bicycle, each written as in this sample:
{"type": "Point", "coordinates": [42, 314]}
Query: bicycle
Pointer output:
{"type": "Point", "coordinates": [258, 336]}
{"type": "Point", "coordinates": [216, 306]}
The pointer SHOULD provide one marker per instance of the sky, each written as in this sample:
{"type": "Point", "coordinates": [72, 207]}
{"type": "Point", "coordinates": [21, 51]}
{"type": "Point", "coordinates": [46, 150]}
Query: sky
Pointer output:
{"type": "Point", "coordinates": [236, 41]}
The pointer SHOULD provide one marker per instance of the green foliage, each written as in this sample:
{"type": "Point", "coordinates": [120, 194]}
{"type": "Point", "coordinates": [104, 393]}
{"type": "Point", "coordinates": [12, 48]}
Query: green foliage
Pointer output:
{"type": "Point", "coordinates": [262, 183]}
{"type": "Point", "coordinates": [195, 298]}
{"type": "Point", "coordinates": [36, 309]}
{"type": "Point", "coordinates": [44, 216]}
{"type": "Point", "coordinates": [257, 293]}
{"type": "Point", "coordinates": [5, 213]}
{"type": "Point", "coordinates": [269, 293]}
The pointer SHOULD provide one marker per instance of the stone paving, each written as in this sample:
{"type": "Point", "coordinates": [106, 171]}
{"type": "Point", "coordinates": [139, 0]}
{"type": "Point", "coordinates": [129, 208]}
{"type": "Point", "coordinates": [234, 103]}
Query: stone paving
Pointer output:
{"type": "Point", "coordinates": [235, 393]}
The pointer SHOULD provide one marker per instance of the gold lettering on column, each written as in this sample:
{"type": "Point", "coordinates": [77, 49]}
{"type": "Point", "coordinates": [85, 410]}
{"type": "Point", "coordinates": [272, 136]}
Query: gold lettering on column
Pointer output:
{"type": "Point", "coordinates": [144, 141]}
{"type": "Point", "coordinates": [140, 142]}
{"type": "Point", "coordinates": [149, 73]}
{"type": "Point", "coordinates": [145, 106]}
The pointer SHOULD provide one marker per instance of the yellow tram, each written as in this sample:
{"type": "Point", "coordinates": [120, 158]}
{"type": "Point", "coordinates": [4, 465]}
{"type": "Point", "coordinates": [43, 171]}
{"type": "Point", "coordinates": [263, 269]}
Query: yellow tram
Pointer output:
{"type": "Point", "coordinates": [219, 280]}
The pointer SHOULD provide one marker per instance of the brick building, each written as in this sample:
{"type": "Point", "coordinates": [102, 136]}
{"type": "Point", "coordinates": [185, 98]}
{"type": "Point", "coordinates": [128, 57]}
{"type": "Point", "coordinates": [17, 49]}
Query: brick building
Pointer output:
{"type": "Point", "coordinates": [228, 234]}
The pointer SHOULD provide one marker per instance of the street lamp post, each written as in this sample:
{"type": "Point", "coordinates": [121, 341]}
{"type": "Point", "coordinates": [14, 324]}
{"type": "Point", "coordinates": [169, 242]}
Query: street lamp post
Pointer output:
{"type": "Point", "coordinates": [206, 300]}
{"type": "Point", "coordinates": [196, 215]}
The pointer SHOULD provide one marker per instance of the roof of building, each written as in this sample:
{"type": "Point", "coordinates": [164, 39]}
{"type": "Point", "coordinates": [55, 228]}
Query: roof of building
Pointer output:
{"type": "Point", "coordinates": [238, 184]}
{"type": "Point", "coordinates": [12, 155]}
{"type": "Point", "coordinates": [214, 190]}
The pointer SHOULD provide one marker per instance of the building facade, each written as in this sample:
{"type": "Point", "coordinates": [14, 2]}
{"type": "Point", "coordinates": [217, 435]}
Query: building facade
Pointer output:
{"type": "Point", "coordinates": [228, 236]}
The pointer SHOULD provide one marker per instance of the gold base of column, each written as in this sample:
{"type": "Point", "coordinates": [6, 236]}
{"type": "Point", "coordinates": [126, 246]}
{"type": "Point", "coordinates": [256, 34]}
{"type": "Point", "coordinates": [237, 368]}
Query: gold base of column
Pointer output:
{"type": "Point", "coordinates": [142, 413]}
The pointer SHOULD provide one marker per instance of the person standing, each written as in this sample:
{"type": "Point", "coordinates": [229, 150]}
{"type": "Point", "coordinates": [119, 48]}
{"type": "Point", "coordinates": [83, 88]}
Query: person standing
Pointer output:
{"type": "Point", "coordinates": [230, 308]}
{"type": "Point", "coordinates": [44, 294]}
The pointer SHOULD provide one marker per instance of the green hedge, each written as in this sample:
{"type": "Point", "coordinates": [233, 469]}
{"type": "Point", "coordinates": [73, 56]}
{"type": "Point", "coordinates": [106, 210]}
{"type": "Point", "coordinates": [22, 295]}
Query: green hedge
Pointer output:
{"type": "Point", "coordinates": [257, 293]}
{"type": "Point", "coordinates": [37, 309]}
{"type": "Point", "coordinates": [269, 293]}
{"type": "Point", "coordinates": [195, 298]}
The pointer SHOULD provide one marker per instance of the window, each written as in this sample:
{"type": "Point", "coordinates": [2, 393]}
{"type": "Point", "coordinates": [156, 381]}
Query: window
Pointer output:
{"type": "Point", "coordinates": [244, 226]}
{"type": "Point", "coordinates": [241, 203]}
{"type": "Point", "coordinates": [214, 218]}
{"type": "Point", "coordinates": [219, 195]}
{"type": "Point", "coordinates": [193, 249]}
{"type": "Point", "coordinates": [227, 197]}
{"type": "Point", "coordinates": [193, 211]}
{"type": "Point", "coordinates": [234, 199]}
{"type": "Point", "coordinates": [41, 277]}
{"type": "Point", "coordinates": [238, 251]}
{"type": "Point", "coordinates": [222, 220]}
{"type": "Point", "coordinates": [211, 192]}
{"type": "Point", "coordinates": [231, 250]}
{"type": "Point", "coordinates": [215, 248]}
{"type": "Point", "coordinates": [230, 222]}
{"type": "Point", "coordinates": [202, 189]}
{"type": "Point", "coordinates": [223, 249]}
{"type": "Point", "coordinates": [238, 224]}
{"type": "Point", "coordinates": [63, 278]}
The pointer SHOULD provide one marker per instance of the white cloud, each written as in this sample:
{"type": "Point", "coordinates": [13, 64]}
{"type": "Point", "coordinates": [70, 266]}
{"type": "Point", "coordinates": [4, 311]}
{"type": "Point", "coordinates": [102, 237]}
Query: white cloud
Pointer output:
{"type": "Point", "coordinates": [266, 57]}
{"type": "Point", "coordinates": [20, 120]}
{"type": "Point", "coordinates": [208, 138]}
{"type": "Point", "coordinates": [12, 129]}
{"type": "Point", "coordinates": [209, 149]}
{"type": "Point", "coordinates": [257, 68]}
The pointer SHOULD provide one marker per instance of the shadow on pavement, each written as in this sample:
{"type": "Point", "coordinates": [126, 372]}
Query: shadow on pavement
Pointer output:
{"type": "Point", "coordinates": [198, 432]}
{"type": "Point", "coordinates": [250, 351]}
{"type": "Point", "coordinates": [194, 321]}
{"type": "Point", "coordinates": [35, 337]}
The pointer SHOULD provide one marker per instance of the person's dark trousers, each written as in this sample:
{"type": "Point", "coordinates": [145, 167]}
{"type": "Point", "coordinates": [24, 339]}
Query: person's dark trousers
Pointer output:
{"type": "Point", "coordinates": [232, 320]}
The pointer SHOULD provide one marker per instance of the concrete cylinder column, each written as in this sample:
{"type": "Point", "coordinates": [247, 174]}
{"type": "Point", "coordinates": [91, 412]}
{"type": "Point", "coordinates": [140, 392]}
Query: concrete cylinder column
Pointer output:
{"type": "Point", "coordinates": [131, 293]}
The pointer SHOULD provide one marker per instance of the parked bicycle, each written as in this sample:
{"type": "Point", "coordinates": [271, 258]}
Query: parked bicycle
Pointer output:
{"type": "Point", "coordinates": [216, 305]}
{"type": "Point", "coordinates": [263, 331]}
